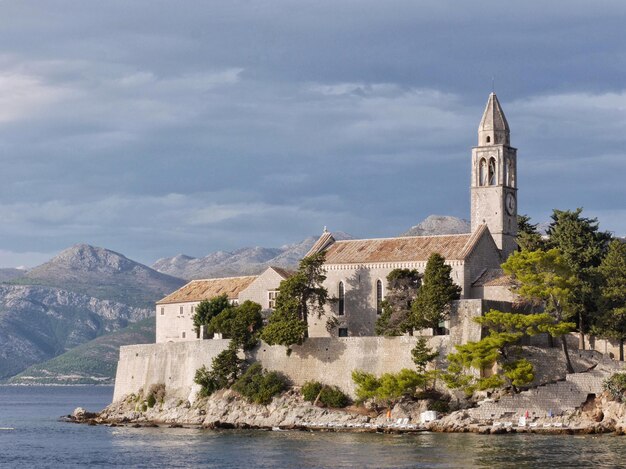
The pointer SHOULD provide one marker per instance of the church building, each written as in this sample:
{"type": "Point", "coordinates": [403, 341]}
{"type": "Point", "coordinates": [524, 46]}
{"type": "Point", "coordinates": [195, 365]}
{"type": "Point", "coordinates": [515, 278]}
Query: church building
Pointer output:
{"type": "Point", "coordinates": [357, 269]}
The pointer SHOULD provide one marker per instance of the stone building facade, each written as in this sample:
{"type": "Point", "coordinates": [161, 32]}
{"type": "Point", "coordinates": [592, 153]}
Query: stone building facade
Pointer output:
{"type": "Point", "coordinates": [357, 269]}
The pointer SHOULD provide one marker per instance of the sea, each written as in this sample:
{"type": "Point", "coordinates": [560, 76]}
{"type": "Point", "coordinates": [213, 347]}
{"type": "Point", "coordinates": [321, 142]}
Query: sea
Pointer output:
{"type": "Point", "coordinates": [32, 435]}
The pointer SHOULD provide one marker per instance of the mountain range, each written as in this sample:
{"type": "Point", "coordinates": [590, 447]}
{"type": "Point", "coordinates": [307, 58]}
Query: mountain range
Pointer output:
{"type": "Point", "coordinates": [245, 261]}
{"type": "Point", "coordinates": [64, 321]}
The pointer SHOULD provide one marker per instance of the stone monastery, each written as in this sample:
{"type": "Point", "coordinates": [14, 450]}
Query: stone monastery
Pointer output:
{"type": "Point", "coordinates": [357, 269]}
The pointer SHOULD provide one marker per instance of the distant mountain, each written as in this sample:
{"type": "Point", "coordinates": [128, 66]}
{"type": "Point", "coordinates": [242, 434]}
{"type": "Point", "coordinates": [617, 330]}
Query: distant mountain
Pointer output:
{"type": "Point", "coordinates": [245, 261]}
{"type": "Point", "coordinates": [93, 362]}
{"type": "Point", "coordinates": [439, 225]}
{"type": "Point", "coordinates": [9, 273]}
{"type": "Point", "coordinates": [104, 274]}
{"type": "Point", "coordinates": [39, 322]}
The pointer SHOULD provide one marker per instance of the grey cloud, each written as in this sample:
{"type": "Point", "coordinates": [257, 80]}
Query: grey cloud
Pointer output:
{"type": "Point", "coordinates": [154, 128]}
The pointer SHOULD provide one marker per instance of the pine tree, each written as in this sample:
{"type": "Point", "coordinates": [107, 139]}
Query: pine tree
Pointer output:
{"type": "Point", "coordinates": [300, 296]}
{"type": "Point", "coordinates": [583, 246]}
{"type": "Point", "coordinates": [528, 238]}
{"type": "Point", "coordinates": [612, 322]}
{"type": "Point", "coordinates": [545, 278]}
{"type": "Point", "coordinates": [402, 288]}
{"type": "Point", "coordinates": [432, 303]}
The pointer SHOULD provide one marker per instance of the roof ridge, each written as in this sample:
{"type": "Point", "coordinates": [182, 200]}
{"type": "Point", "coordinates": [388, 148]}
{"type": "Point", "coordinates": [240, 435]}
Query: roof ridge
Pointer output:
{"type": "Point", "coordinates": [218, 278]}
{"type": "Point", "coordinates": [401, 237]}
{"type": "Point", "coordinates": [473, 240]}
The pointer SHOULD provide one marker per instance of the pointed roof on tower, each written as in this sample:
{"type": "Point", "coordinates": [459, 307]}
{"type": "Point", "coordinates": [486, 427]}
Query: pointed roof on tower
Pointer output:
{"type": "Point", "coordinates": [493, 128]}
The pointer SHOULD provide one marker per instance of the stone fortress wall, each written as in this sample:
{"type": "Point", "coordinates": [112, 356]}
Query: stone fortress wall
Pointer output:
{"type": "Point", "coordinates": [330, 360]}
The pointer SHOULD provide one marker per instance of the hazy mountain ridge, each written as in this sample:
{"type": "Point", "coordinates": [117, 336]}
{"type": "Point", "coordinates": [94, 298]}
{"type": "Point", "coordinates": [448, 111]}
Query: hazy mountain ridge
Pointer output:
{"type": "Point", "coordinates": [439, 225]}
{"type": "Point", "coordinates": [38, 323]}
{"type": "Point", "coordinates": [244, 261]}
{"type": "Point", "coordinates": [104, 274]}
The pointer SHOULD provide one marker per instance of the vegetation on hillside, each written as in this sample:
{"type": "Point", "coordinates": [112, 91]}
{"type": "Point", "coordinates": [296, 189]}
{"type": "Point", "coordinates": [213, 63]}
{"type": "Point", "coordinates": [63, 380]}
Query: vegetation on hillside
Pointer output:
{"type": "Point", "coordinates": [93, 362]}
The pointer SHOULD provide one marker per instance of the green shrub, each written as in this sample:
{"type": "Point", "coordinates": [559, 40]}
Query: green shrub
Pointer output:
{"type": "Point", "coordinates": [260, 386]}
{"type": "Point", "coordinates": [615, 385]}
{"type": "Point", "coordinates": [151, 400]}
{"type": "Point", "coordinates": [204, 378]}
{"type": "Point", "coordinates": [225, 369]}
{"type": "Point", "coordinates": [157, 391]}
{"type": "Point", "coordinates": [310, 390]}
{"type": "Point", "coordinates": [442, 406]}
{"type": "Point", "coordinates": [332, 396]}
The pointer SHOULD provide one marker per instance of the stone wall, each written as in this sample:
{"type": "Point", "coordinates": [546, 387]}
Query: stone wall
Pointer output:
{"type": "Point", "coordinates": [359, 282]}
{"type": "Point", "coordinates": [329, 360]}
{"type": "Point", "coordinates": [258, 291]}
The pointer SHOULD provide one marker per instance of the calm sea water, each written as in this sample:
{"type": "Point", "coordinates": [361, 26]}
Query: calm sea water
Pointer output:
{"type": "Point", "coordinates": [38, 440]}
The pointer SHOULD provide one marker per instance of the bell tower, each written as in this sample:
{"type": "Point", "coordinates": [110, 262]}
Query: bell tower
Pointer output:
{"type": "Point", "coordinates": [494, 178]}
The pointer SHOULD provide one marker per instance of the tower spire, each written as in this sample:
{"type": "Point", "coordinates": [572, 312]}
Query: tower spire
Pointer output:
{"type": "Point", "coordinates": [493, 128]}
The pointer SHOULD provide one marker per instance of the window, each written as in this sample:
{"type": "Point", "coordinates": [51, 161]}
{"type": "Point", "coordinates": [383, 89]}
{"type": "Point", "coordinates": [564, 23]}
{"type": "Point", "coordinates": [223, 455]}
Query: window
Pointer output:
{"type": "Point", "coordinates": [482, 176]}
{"type": "Point", "coordinates": [271, 297]}
{"type": "Point", "coordinates": [510, 174]}
{"type": "Point", "coordinates": [181, 310]}
{"type": "Point", "coordinates": [341, 295]}
{"type": "Point", "coordinates": [379, 297]}
{"type": "Point", "coordinates": [183, 335]}
{"type": "Point", "coordinates": [488, 139]}
{"type": "Point", "coordinates": [492, 172]}
{"type": "Point", "coordinates": [191, 308]}
{"type": "Point", "coordinates": [343, 332]}
{"type": "Point", "coordinates": [162, 311]}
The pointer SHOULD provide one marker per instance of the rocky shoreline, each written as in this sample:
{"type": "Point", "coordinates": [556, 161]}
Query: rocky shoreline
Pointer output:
{"type": "Point", "coordinates": [228, 410]}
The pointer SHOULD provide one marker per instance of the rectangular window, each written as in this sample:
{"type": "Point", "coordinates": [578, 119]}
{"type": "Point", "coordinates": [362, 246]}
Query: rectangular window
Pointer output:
{"type": "Point", "coordinates": [183, 335]}
{"type": "Point", "coordinates": [162, 311]}
{"type": "Point", "coordinates": [191, 308]}
{"type": "Point", "coordinates": [343, 332]}
{"type": "Point", "coordinates": [181, 310]}
{"type": "Point", "coordinates": [271, 298]}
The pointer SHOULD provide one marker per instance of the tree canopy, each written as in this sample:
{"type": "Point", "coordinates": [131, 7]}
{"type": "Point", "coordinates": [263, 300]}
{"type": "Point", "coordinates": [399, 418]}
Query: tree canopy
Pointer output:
{"type": "Point", "coordinates": [612, 321]}
{"type": "Point", "coordinates": [241, 324]}
{"type": "Point", "coordinates": [300, 296]}
{"type": "Point", "coordinates": [432, 303]}
{"type": "Point", "coordinates": [583, 246]}
{"type": "Point", "coordinates": [208, 309]}
{"type": "Point", "coordinates": [545, 278]}
{"type": "Point", "coordinates": [497, 353]}
{"type": "Point", "coordinates": [402, 288]}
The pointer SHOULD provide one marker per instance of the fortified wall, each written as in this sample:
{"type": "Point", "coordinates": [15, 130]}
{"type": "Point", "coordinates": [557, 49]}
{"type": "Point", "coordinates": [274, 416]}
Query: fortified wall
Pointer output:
{"type": "Point", "coordinates": [330, 360]}
{"type": "Point", "coordinates": [326, 359]}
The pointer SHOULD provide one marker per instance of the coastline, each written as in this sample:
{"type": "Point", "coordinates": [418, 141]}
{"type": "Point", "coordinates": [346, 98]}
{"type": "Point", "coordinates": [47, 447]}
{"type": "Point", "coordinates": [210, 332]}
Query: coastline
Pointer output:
{"type": "Point", "coordinates": [227, 410]}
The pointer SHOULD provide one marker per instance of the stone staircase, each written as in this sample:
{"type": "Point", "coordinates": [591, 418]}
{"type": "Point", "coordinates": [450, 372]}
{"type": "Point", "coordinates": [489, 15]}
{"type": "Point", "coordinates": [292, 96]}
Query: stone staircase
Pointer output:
{"type": "Point", "coordinates": [555, 398]}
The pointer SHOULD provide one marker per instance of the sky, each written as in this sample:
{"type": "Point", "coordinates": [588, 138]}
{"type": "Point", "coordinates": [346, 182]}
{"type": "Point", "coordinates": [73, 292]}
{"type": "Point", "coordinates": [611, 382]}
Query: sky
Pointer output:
{"type": "Point", "coordinates": [156, 128]}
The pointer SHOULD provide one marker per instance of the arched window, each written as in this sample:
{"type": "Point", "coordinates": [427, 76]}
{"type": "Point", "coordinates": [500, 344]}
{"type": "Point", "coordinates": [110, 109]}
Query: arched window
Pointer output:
{"type": "Point", "coordinates": [488, 139]}
{"type": "Point", "coordinates": [510, 173]}
{"type": "Point", "coordinates": [379, 297]}
{"type": "Point", "coordinates": [492, 172]}
{"type": "Point", "coordinates": [342, 298]}
{"type": "Point", "coordinates": [482, 173]}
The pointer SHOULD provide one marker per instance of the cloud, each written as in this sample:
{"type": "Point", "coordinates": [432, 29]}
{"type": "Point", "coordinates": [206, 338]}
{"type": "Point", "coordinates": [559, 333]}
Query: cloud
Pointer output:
{"type": "Point", "coordinates": [24, 96]}
{"type": "Point", "coordinates": [154, 129]}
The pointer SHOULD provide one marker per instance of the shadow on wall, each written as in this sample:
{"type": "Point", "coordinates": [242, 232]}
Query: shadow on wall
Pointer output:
{"type": "Point", "coordinates": [360, 315]}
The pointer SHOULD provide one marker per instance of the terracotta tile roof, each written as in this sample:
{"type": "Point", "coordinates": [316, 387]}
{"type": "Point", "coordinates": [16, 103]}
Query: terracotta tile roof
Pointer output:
{"type": "Point", "coordinates": [404, 249]}
{"type": "Point", "coordinates": [494, 278]}
{"type": "Point", "coordinates": [198, 290]}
